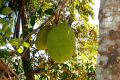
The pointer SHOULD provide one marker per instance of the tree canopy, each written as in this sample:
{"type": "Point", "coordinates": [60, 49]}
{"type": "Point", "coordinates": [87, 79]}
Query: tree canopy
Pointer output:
{"type": "Point", "coordinates": [20, 22]}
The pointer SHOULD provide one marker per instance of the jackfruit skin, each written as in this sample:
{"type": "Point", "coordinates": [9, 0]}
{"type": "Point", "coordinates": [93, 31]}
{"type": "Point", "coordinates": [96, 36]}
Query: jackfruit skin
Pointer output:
{"type": "Point", "coordinates": [41, 39]}
{"type": "Point", "coordinates": [61, 43]}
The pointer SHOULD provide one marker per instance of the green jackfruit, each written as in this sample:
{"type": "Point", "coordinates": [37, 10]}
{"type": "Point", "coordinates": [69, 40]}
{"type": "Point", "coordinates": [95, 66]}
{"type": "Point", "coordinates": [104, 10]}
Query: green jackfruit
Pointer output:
{"type": "Point", "coordinates": [41, 39]}
{"type": "Point", "coordinates": [61, 43]}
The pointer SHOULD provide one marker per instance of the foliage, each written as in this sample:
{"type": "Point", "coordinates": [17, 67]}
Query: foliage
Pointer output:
{"type": "Point", "coordinates": [39, 12]}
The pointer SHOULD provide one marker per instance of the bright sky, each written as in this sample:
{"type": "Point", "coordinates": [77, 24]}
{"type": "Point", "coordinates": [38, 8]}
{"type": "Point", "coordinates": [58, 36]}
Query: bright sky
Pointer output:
{"type": "Point", "coordinates": [96, 10]}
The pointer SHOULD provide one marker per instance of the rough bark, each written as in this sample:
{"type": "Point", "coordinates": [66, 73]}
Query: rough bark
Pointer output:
{"type": "Point", "coordinates": [108, 63]}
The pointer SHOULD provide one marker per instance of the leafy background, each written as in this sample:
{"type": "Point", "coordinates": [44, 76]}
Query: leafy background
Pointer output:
{"type": "Point", "coordinates": [81, 66]}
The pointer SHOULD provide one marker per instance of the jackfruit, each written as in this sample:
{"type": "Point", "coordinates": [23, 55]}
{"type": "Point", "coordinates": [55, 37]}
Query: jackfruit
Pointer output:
{"type": "Point", "coordinates": [41, 39]}
{"type": "Point", "coordinates": [61, 43]}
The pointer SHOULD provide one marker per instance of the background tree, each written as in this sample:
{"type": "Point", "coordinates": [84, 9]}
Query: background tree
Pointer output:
{"type": "Point", "coordinates": [21, 20]}
{"type": "Point", "coordinates": [109, 44]}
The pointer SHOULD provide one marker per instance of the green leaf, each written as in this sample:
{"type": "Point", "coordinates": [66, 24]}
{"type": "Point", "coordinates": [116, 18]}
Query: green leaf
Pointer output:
{"type": "Point", "coordinates": [4, 28]}
{"type": "Point", "coordinates": [49, 11]}
{"type": "Point", "coordinates": [20, 50]}
{"type": "Point", "coordinates": [1, 37]}
{"type": "Point", "coordinates": [1, 2]}
{"type": "Point", "coordinates": [7, 10]}
{"type": "Point", "coordinates": [8, 32]}
{"type": "Point", "coordinates": [32, 21]}
{"type": "Point", "coordinates": [2, 43]}
{"type": "Point", "coordinates": [91, 1]}
{"type": "Point", "coordinates": [4, 53]}
{"type": "Point", "coordinates": [15, 42]}
{"type": "Point", "coordinates": [3, 21]}
{"type": "Point", "coordinates": [30, 29]}
{"type": "Point", "coordinates": [39, 11]}
{"type": "Point", "coordinates": [25, 44]}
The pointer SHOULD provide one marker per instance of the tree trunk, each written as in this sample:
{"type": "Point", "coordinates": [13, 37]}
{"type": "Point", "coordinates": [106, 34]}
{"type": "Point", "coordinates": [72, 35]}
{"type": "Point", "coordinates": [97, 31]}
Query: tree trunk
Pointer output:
{"type": "Point", "coordinates": [108, 63]}
{"type": "Point", "coordinates": [26, 61]}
